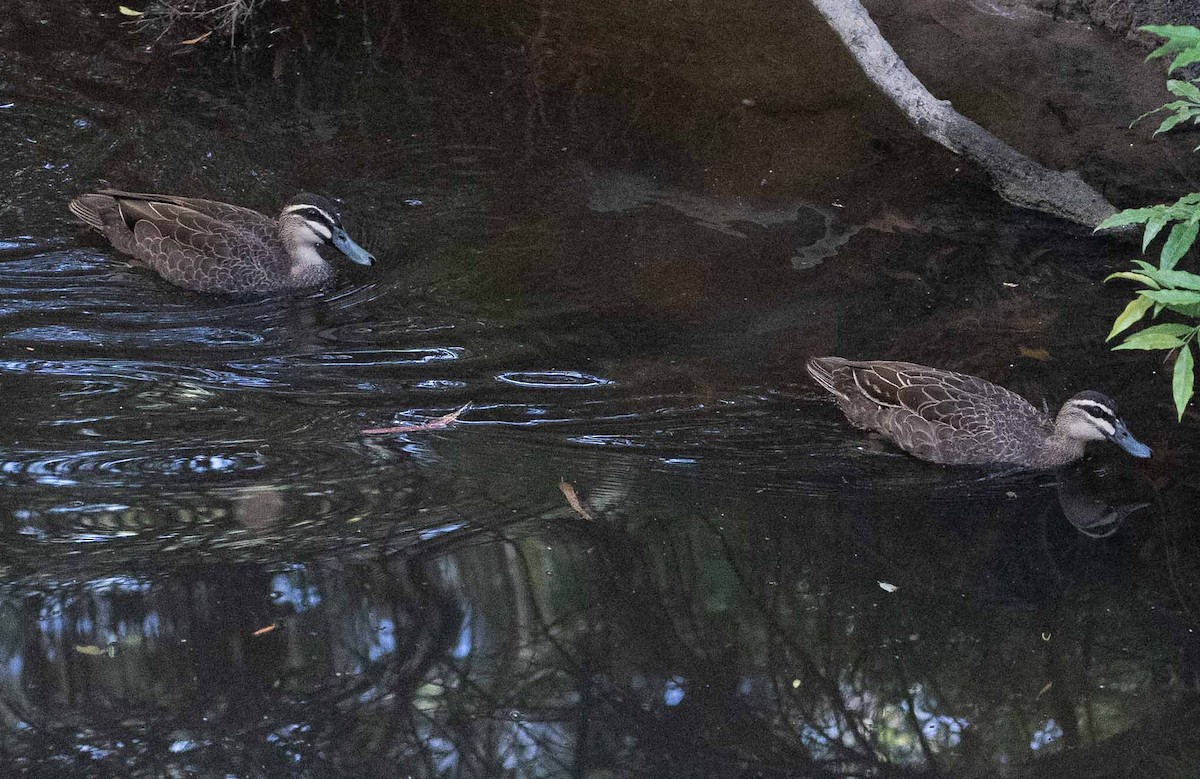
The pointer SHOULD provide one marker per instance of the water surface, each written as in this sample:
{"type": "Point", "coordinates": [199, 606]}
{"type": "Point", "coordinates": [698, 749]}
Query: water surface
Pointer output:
{"type": "Point", "coordinates": [649, 548]}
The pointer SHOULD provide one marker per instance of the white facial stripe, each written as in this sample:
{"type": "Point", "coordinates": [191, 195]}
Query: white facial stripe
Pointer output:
{"type": "Point", "coordinates": [1103, 426]}
{"type": "Point", "coordinates": [302, 207]}
{"type": "Point", "coordinates": [319, 228]}
{"type": "Point", "coordinates": [1093, 404]}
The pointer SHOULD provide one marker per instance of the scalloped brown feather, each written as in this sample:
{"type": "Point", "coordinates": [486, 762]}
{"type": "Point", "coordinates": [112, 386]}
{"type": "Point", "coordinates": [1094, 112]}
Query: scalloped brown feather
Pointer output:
{"type": "Point", "coordinates": [201, 245]}
{"type": "Point", "coordinates": [938, 415]}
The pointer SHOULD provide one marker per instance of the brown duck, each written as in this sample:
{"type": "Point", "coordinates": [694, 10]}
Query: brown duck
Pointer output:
{"type": "Point", "coordinates": [208, 246]}
{"type": "Point", "coordinates": [955, 419]}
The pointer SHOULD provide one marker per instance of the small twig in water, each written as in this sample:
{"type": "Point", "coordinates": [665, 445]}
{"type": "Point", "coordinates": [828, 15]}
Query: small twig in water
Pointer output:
{"type": "Point", "coordinates": [433, 424]}
{"type": "Point", "coordinates": [573, 499]}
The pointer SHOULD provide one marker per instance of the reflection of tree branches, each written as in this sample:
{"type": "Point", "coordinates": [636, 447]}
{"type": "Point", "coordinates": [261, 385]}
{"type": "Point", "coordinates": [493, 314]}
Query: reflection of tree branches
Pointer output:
{"type": "Point", "coordinates": [712, 680]}
{"type": "Point", "coordinates": [850, 722]}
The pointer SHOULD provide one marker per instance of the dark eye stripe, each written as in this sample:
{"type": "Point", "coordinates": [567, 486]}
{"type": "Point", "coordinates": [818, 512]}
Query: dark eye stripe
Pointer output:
{"type": "Point", "coordinates": [314, 214]}
{"type": "Point", "coordinates": [1098, 411]}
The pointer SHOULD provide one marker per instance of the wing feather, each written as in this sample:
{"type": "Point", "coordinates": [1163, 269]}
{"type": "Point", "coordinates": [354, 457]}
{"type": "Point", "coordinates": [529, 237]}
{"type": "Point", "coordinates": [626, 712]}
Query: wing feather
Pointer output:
{"type": "Point", "coordinates": [225, 212]}
{"type": "Point", "coordinates": [965, 403]}
{"type": "Point", "coordinates": [198, 251]}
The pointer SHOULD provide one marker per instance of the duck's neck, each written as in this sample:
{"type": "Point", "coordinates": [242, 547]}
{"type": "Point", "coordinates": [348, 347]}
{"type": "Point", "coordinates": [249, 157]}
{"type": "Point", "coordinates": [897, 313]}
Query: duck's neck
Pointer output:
{"type": "Point", "coordinates": [1058, 449]}
{"type": "Point", "coordinates": [308, 266]}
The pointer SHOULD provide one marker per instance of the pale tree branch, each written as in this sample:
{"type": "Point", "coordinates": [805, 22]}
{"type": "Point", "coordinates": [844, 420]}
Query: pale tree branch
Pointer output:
{"type": "Point", "coordinates": [1018, 179]}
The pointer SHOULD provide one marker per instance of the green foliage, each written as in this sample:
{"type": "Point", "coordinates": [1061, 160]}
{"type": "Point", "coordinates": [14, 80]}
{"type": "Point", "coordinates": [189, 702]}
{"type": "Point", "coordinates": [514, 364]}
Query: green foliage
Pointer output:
{"type": "Point", "coordinates": [1182, 110]}
{"type": "Point", "coordinates": [1183, 41]}
{"type": "Point", "coordinates": [1165, 289]}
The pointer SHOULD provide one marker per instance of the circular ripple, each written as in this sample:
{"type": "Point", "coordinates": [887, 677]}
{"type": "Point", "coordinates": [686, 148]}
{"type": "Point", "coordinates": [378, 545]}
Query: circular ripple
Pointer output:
{"type": "Point", "coordinates": [553, 379]}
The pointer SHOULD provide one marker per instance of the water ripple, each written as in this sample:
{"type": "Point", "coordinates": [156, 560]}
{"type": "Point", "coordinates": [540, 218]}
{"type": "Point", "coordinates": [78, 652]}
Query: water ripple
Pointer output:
{"type": "Point", "coordinates": [553, 379]}
{"type": "Point", "coordinates": [207, 336]}
{"type": "Point", "coordinates": [133, 370]}
{"type": "Point", "coordinates": [115, 467]}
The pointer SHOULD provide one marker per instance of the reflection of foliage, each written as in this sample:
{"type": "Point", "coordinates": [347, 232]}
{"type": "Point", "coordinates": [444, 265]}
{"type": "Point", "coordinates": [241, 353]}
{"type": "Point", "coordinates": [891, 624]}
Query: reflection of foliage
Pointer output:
{"type": "Point", "coordinates": [725, 642]}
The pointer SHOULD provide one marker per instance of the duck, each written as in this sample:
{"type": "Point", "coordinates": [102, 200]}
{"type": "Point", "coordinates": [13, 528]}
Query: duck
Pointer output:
{"type": "Point", "coordinates": [208, 246]}
{"type": "Point", "coordinates": [955, 419]}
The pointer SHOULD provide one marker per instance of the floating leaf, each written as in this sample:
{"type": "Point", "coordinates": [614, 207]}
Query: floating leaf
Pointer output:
{"type": "Point", "coordinates": [1044, 690]}
{"type": "Point", "coordinates": [127, 11]}
{"type": "Point", "coordinates": [432, 424]}
{"type": "Point", "coordinates": [886, 587]}
{"type": "Point", "coordinates": [1040, 354]}
{"type": "Point", "coordinates": [1133, 313]}
{"type": "Point", "coordinates": [204, 37]}
{"type": "Point", "coordinates": [1183, 380]}
{"type": "Point", "coordinates": [573, 500]}
{"type": "Point", "coordinates": [263, 631]}
{"type": "Point", "coordinates": [95, 651]}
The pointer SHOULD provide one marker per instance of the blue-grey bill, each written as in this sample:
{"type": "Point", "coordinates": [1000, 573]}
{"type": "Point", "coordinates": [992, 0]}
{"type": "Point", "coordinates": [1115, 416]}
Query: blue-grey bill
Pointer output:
{"type": "Point", "coordinates": [1124, 439]}
{"type": "Point", "coordinates": [346, 245]}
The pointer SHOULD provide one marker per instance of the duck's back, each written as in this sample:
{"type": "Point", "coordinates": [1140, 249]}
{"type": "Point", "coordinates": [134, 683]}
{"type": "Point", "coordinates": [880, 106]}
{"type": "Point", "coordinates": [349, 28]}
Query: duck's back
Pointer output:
{"type": "Point", "coordinates": [934, 414]}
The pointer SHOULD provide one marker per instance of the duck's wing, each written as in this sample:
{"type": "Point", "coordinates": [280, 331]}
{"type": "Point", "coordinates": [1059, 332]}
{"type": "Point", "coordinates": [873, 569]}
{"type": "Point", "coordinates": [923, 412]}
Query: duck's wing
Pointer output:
{"type": "Point", "coordinates": [966, 403]}
{"type": "Point", "coordinates": [138, 202]}
{"type": "Point", "coordinates": [191, 248]}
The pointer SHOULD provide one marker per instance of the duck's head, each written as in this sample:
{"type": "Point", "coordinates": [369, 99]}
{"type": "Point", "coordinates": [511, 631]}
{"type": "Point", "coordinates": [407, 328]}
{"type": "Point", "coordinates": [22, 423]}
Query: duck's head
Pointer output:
{"type": "Point", "coordinates": [311, 220]}
{"type": "Point", "coordinates": [1092, 416]}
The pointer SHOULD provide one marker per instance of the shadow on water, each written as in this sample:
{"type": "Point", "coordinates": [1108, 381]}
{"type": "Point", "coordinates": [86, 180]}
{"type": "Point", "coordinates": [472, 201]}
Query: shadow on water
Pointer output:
{"type": "Point", "coordinates": [648, 548]}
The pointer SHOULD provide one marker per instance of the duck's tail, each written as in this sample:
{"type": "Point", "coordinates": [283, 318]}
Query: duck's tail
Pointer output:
{"type": "Point", "coordinates": [90, 209]}
{"type": "Point", "coordinates": [821, 369]}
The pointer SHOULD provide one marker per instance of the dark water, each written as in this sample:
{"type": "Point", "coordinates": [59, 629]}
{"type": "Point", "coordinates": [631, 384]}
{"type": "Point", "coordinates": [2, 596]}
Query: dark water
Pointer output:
{"type": "Point", "coordinates": [207, 569]}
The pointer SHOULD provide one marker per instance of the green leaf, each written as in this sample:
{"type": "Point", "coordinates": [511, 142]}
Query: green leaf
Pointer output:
{"type": "Point", "coordinates": [1191, 310]}
{"type": "Point", "coordinates": [1148, 113]}
{"type": "Point", "coordinates": [1178, 242]}
{"type": "Point", "coordinates": [1173, 120]}
{"type": "Point", "coordinates": [1179, 38]}
{"type": "Point", "coordinates": [1148, 340]}
{"type": "Point", "coordinates": [1138, 277]}
{"type": "Point", "coordinates": [1185, 58]}
{"type": "Point", "coordinates": [1131, 216]}
{"type": "Point", "coordinates": [1172, 297]}
{"type": "Point", "coordinates": [1171, 279]}
{"type": "Point", "coordinates": [1133, 312]}
{"type": "Point", "coordinates": [1176, 279]}
{"type": "Point", "coordinates": [1185, 89]}
{"type": "Point", "coordinates": [127, 11]}
{"type": "Point", "coordinates": [1171, 328]}
{"type": "Point", "coordinates": [1183, 380]}
{"type": "Point", "coordinates": [1176, 34]}
{"type": "Point", "coordinates": [1154, 225]}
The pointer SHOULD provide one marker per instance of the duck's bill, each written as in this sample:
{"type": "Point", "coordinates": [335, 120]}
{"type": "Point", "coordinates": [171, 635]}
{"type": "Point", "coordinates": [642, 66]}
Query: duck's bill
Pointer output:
{"type": "Point", "coordinates": [346, 245]}
{"type": "Point", "coordinates": [1124, 439]}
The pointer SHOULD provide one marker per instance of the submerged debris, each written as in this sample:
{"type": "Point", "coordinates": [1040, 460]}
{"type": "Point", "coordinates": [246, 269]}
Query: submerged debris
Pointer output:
{"type": "Point", "coordinates": [433, 424]}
